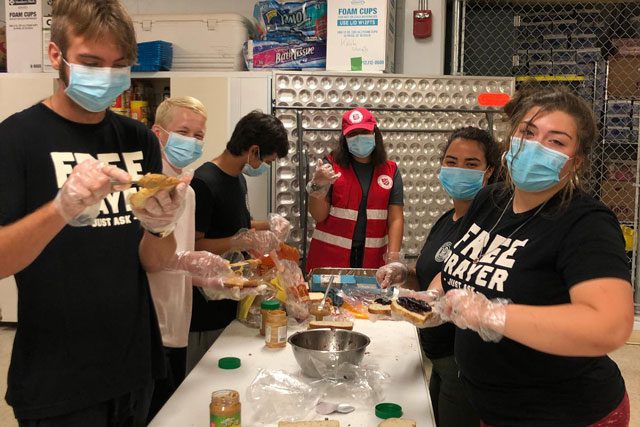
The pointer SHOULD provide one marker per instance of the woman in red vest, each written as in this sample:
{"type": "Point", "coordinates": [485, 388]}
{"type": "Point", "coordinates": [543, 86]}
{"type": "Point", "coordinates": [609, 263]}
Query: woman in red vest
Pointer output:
{"type": "Point", "coordinates": [356, 199]}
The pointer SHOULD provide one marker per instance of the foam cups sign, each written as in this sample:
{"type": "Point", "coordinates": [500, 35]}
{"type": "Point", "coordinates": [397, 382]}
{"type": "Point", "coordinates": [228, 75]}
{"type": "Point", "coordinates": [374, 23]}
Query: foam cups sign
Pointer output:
{"type": "Point", "coordinates": [361, 35]}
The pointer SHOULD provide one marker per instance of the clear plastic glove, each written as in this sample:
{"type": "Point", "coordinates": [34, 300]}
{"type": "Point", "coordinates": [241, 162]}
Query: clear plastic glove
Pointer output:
{"type": "Point", "coordinates": [393, 256]}
{"type": "Point", "coordinates": [213, 289]}
{"type": "Point", "coordinates": [78, 201]}
{"type": "Point", "coordinates": [393, 274]}
{"type": "Point", "coordinates": [280, 226]}
{"type": "Point", "coordinates": [471, 310]}
{"type": "Point", "coordinates": [260, 243]}
{"type": "Point", "coordinates": [200, 263]}
{"type": "Point", "coordinates": [162, 210]}
{"type": "Point", "coordinates": [322, 179]}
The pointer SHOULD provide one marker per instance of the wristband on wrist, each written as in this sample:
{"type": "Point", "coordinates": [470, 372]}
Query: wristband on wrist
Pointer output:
{"type": "Point", "coordinates": [161, 234]}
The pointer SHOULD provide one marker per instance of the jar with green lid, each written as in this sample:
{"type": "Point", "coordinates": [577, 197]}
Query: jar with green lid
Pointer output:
{"type": "Point", "coordinates": [267, 305]}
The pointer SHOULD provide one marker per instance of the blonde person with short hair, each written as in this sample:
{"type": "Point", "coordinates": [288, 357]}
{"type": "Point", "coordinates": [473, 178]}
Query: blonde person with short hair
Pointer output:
{"type": "Point", "coordinates": [87, 348]}
{"type": "Point", "coordinates": [180, 126]}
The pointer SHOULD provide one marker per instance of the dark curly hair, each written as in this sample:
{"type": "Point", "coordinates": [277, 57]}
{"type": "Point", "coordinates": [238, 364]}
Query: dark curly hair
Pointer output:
{"type": "Point", "coordinates": [490, 147]}
{"type": "Point", "coordinates": [263, 130]}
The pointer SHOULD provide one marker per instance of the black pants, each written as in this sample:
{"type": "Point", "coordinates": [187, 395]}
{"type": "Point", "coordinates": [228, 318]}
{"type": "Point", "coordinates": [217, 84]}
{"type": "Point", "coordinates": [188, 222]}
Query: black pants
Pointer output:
{"type": "Point", "coordinates": [176, 361]}
{"type": "Point", "coordinates": [451, 407]}
{"type": "Point", "coordinates": [128, 410]}
{"type": "Point", "coordinates": [357, 256]}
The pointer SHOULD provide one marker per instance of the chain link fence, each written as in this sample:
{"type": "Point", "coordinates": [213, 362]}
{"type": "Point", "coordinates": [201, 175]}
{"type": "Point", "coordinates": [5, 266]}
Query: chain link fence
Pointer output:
{"type": "Point", "coordinates": [591, 47]}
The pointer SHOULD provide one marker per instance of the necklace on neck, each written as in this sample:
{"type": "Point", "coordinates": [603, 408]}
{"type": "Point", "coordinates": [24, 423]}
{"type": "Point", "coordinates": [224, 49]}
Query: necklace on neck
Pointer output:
{"type": "Point", "coordinates": [484, 243]}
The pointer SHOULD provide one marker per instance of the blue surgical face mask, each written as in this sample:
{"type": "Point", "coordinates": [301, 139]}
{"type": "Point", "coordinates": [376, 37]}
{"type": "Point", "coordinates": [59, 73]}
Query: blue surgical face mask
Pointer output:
{"type": "Point", "coordinates": [95, 88]}
{"type": "Point", "coordinates": [361, 145]}
{"type": "Point", "coordinates": [460, 183]}
{"type": "Point", "coordinates": [251, 171]}
{"type": "Point", "coordinates": [182, 150]}
{"type": "Point", "coordinates": [534, 167]}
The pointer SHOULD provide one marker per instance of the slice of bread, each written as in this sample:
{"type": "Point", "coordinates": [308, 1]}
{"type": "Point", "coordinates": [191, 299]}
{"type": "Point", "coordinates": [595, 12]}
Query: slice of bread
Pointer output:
{"type": "Point", "coordinates": [158, 180]}
{"type": "Point", "coordinates": [331, 324]}
{"type": "Point", "coordinates": [316, 296]}
{"type": "Point", "coordinates": [397, 422]}
{"type": "Point", "coordinates": [410, 316]}
{"type": "Point", "coordinates": [149, 185]}
{"type": "Point", "coordinates": [322, 423]}
{"type": "Point", "coordinates": [238, 281]}
{"type": "Point", "coordinates": [376, 308]}
{"type": "Point", "coordinates": [138, 199]}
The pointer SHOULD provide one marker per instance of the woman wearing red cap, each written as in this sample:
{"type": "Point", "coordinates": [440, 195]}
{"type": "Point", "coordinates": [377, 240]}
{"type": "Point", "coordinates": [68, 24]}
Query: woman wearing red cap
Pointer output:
{"type": "Point", "coordinates": [356, 199]}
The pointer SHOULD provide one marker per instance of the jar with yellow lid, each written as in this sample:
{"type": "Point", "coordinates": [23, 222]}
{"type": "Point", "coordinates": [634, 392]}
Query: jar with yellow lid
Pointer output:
{"type": "Point", "coordinates": [275, 329]}
{"type": "Point", "coordinates": [224, 410]}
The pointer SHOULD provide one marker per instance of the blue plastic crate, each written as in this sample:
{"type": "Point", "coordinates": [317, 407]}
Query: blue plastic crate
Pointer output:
{"type": "Point", "coordinates": [154, 56]}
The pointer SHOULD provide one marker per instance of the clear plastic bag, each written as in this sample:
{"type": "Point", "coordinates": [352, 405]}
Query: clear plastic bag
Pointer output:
{"type": "Point", "coordinates": [277, 395]}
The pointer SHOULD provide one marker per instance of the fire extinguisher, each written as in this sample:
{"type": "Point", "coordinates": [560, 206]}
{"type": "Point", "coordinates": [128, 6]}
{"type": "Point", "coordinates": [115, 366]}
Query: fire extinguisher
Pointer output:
{"type": "Point", "coordinates": [422, 20]}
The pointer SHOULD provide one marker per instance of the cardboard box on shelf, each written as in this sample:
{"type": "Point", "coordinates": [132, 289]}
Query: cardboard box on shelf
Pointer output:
{"type": "Point", "coordinates": [24, 20]}
{"type": "Point", "coordinates": [361, 35]}
{"type": "Point", "coordinates": [624, 76]}
{"type": "Point", "coordinates": [620, 197]}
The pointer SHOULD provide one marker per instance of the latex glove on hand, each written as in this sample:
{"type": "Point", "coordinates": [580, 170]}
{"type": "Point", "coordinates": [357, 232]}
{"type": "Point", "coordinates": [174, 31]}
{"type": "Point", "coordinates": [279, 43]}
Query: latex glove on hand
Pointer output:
{"type": "Point", "coordinates": [214, 289]}
{"type": "Point", "coordinates": [258, 243]}
{"type": "Point", "coordinates": [323, 177]}
{"type": "Point", "coordinates": [162, 210]}
{"type": "Point", "coordinates": [393, 274]}
{"type": "Point", "coordinates": [200, 263]}
{"type": "Point", "coordinates": [280, 226]}
{"type": "Point", "coordinates": [471, 310]}
{"type": "Point", "coordinates": [78, 201]}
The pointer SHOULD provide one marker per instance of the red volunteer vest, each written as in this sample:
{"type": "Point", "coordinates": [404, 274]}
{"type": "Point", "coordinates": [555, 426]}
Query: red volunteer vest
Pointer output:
{"type": "Point", "coordinates": [332, 239]}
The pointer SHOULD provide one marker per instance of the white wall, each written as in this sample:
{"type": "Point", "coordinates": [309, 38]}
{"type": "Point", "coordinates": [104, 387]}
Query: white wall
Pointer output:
{"type": "Point", "coordinates": [420, 56]}
{"type": "Point", "coordinates": [140, 7]}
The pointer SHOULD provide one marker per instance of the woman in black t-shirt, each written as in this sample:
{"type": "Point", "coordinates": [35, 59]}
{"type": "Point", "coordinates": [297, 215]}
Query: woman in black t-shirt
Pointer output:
{"type": "Point", "coordinates": [468, 161]}
{"type": "Point", "coordinates": [538, 283]}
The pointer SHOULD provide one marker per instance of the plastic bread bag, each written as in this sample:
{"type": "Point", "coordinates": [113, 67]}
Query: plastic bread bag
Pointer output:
{"type": "Point", "coordinates": [276, 395]}
{"type": "Point", "coordinates": [247, 282]}
{"type": "Point", "coordinates": [357, 385]}
{"type": "Point", "coordinates": [290, 278]}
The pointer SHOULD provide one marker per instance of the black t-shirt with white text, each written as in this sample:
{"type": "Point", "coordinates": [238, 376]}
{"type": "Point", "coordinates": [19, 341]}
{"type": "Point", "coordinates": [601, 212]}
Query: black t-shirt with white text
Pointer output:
{"type": "Point", "coordinates": [535, 259]}
{"type": "Point", "coordinates": [438, 341]}
{"type": "Point", "coordinates": [87, 330]}
{"type": "Point", "coordinates": [221, 211]}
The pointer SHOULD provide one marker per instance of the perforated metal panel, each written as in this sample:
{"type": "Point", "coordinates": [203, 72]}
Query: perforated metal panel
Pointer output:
{"type": "Point", "coordinates": [415, 115]}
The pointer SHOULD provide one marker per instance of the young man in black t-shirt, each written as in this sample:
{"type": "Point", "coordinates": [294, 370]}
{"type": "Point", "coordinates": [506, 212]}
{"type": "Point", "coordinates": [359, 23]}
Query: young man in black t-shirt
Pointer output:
{"type": "Point", "coordinates": [222, 215]}
{"type": "Point", "coordinates": [87, 347]}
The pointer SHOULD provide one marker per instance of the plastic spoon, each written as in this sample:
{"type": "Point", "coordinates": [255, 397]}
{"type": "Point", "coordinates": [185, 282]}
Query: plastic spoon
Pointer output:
{"type": "Point", "coordinates": [326, 293]}
{"type": "Point", "coordinates": [326, 408]}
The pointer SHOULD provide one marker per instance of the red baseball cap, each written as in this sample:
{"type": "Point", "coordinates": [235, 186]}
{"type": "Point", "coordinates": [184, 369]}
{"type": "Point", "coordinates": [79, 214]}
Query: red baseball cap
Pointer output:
{"type": "Point", "coordinates": [358, 118]}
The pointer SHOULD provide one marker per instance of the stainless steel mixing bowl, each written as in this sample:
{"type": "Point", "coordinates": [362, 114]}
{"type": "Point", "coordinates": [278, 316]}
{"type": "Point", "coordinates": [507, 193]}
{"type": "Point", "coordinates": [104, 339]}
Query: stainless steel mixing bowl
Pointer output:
{"type": "Point", "coordinates": [320, 352]}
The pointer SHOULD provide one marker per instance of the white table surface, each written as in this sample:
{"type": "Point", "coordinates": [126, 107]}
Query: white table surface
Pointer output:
{"type": "Point", "coordinates": [394, 348]}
